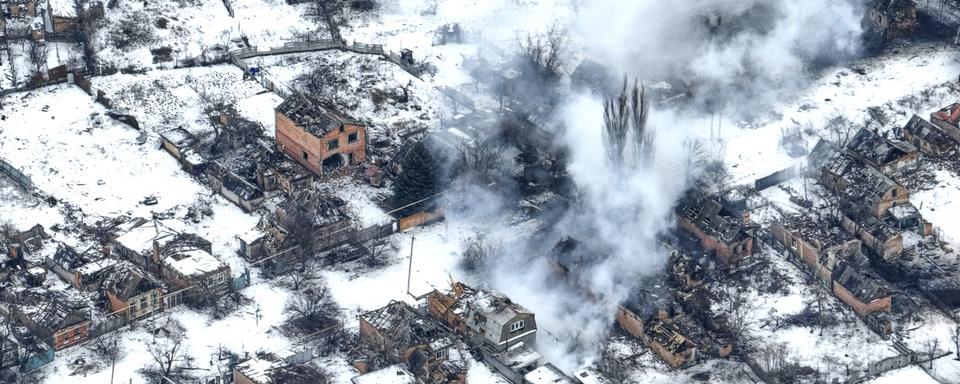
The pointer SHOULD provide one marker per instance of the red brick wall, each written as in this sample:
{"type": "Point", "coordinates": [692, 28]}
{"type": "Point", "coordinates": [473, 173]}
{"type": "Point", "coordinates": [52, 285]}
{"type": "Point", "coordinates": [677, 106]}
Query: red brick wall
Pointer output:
{"type": "Point", "coordinates": [294, 141]}
{"type": "Point", "coordinates": [71, 336]}
{"type": "Point", "coordinates": [630, 322]}
{"type": "Point", "coordinates": [861, 308]}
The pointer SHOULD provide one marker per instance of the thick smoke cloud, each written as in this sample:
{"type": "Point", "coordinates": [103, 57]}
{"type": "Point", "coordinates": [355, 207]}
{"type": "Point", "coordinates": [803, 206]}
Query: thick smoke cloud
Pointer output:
{"type": "Point", "coordinates": [739, 56]}
{"type": "Point", "coordinates": [747, 52]}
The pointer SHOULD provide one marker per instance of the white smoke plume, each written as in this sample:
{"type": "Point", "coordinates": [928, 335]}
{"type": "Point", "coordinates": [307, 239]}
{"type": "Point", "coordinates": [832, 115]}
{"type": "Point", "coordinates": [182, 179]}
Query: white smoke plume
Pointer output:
{"type": "Point", "coordinates": [739, 55]}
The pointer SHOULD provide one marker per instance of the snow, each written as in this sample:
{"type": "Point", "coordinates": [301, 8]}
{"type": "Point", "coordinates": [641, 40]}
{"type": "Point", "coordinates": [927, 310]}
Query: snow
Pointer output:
{"type": "Point", "coordinates": [394, 374]}
{"type": "Point", "coordinates": [911, 374]}
{"type": "Point", "coordinates": [194, 262]}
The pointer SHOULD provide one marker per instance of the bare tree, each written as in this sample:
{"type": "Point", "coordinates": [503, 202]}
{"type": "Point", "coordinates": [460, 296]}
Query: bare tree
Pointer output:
{"type": "Point", "coordinates": [545, 51]}
{"type": "Point", "coordinates": [106, 346]}
{"type": "Point", "coordinates": [478, 160]}
{"type": "Point", "coordinates": [841, 128]}
{"type": "Point", "coordinates": [430, 7]}
{"type": "Point", "coordinates": [167, 351]}
{"type": "Point", "coordinates": [301, 270]}
{"type": "Point", "coordinates": [377, 250]}
{"type": "Point", "coordinates": [38, 55]}
{"type": "Point", "coordinates": [625, 115]}
{"type": "Point", "coordinates": [313, 309]}
{"type": "Point", "coordinates": [480, 254]}
{"type": "Point", "coordinates": [694, 160]}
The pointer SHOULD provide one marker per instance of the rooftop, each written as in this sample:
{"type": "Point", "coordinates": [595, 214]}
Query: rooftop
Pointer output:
{"type": "Point", "coordinates": [395, 374]}
{"type": "Point", "coordinates": [193, 262]}
{"type": "Point", "coordinates": [311, 116]}
{"type": "Point", "coordinates": [63, 8]}
{"type": "Point", "coordinates": [547, 374]}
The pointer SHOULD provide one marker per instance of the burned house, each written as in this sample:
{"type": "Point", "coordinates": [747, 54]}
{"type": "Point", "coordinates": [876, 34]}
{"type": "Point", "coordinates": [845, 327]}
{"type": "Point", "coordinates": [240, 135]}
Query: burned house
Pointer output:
{"type": "Point", "coordinates": [854, 182]}
{"type": "Point", "coordinates": [54, 318]}
{"type": "Point", "coordinates": [182, 260]}
{"type": "Point", "coordinates": [403, 335]}
{"type": "Point", "coordinates": [183, 146]}
{"type": "Point", "coordinates": [132, 294]}
{"type": "Point", "coordinates": [19, 8]}
{"type": "Point", "coordinates": [888, 155]}
{"type": "Point", "coordinates": [877, 235]}
{"type": "Point", "coordinates": [892, 17]}
{"type": "Point", "coordinates": [62, 17]}
{"type": "Point", "coordinates": [662, 335]}
{"type": "Point", "coordinates": [728, 235]}
{"type": "Point", "coordinates": [946, 119]}
{"type": "Point", "coordinates": [23, 243]}
{"type": "Point", "coordinates": [277, 172]}
{"type": "Point", "coordinates": [318, 138]}
{"type": "Point", "coordinates": [269, 368]}
{"type": "Point", "coordinates": [866, 295]}
{"type": "Point", "coordinates": [83, 270]}
{"type": "Point", "coordinates": [32, 350]}
{"type": "Point", "coordinates": [927, 137]}
{"type": "Point", "coordinates": [9, 352]}
{"type": "Point", "coordinates": [819, 245]}
{"type": "Point", "coordinates": [325, 215]}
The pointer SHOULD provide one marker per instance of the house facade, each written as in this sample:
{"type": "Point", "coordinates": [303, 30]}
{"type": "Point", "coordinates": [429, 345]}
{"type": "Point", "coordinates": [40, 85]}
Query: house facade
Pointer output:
{"type": "Point", "coordinates": [133, 295]}
{"type": "Point", "coordinates": [927, 137]}
{"type": "Point", "coordinates": [728, 236]}
{"type": "Point", "coordinates": [319, 139]}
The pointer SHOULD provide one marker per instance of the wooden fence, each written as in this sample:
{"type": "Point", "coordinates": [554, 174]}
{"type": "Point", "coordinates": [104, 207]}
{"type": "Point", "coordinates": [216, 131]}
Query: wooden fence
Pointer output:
{"type": "Point", "coordinates": [419, 219]}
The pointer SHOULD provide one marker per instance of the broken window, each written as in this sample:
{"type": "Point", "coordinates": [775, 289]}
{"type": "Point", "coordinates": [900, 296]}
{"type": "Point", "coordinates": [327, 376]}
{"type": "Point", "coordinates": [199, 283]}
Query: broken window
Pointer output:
{"type": "Point", "coordinates": [516, 326]}
{"type": "Point", "coordinates": [305, 156]}
{"type": "Point", "coordinates": [353, 137]}
{"type": "Point", "coordinates": [350, 159]}
{"type": "Point", "coordinates": [440, 354]}
{"type": "Point", "coordinates": [333, 144]}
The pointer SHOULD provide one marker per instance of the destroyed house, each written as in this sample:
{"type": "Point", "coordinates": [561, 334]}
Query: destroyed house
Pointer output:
{"type": "Point", "coordinates": [854, 182]}
{"type": "Point", "coordinates": [818, 244]}
{"type": "Point", "coordinates": [403, 335]}
{"type": "Point", "coordinates": [326, 215]}
{"type": "Point", "coordinates": [395, 374]}
{"type": "Point", "coordinates": [893, 17]}
{"type": "Point", "coordinates": [54, 318]}
{"type": "Point", "coordinates": [182, 145]}
{"type": "Point", "coordinates": [132, 294]}
{"type": "Point", "coordinates": [19, 8]}
{"type": "Point", "coordinates": [667, 340]}
{"type": "Point", "coordinates": [236, 177]}
{"type": "Point", "coordinates": [877, 235]}
{"type": "Point", "coordinates": [63, 16]}
{"type": "Point", "coordinates": [34, 353]}
{"type": "Point", "coordinates": [513, 363]}
{"type": "Point", "coordinates": [946, 119]}
{"type": "Point", "coordinates": [317, 137]}
{"type": "Point", "coordinates": [492, 320]}
{"type": "Point", "coordinates": [269, 368]}
{"type": "Point", "coordinates": [728, 236]}
{"type": "Point", "coordinates": [450, 307]}
{"type": "Point", "coordinates": [889, 156]}
{"type": "Point", "coordinates": [928, 138]}
{"type": "Point", "coordinates": [9, 351]}
{"type": "Point", "coordinates": [277, 172]}
{"type": "Point", "coordinates": [863, 293]}
{"type": "Point", "coordinates": [188, 262]}
{"type": "Point", "coordinates": [82, 270]}
{"type": "Point", "coordinates": [24, 243]}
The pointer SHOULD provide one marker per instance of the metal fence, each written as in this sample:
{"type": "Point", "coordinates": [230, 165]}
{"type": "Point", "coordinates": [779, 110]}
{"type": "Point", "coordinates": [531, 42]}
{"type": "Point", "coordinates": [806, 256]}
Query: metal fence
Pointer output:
{"type": "Point", "coordinates": [16, 175]}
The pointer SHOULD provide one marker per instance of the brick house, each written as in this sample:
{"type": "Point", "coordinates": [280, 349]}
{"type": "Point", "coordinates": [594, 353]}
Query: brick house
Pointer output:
{"type": "Point", "coordinates": [63, 16]}
{"type": "Point", "coordinates": [318, 138]}
{"type": "Point", "coordinates": [927, 137]}
{"type": "Point", "coordinates": [946, 119]}
{"type": "Point", "coordinates": [854, 182]}
{"type": "Point", "coordinates": [893, 17]}
{"type": "Point", "coordinates": [403, 335]}
{"type": "Point", "coordinates": [877, 151]}
{"type": "Point", "coordinates": [132, 294]}
{"type": "Point", "coordinates": [53, 318]}
{"type": "Point", "coordinates": [864, 294]}
{"type": "Point", "coordinates": [662, 335]}
{"type": "Point", "coordinates": [726, 234]}
{"type": "Point", "coordinates": [19, 8]}
{"type": "Point", "coordinates": [817, 246]}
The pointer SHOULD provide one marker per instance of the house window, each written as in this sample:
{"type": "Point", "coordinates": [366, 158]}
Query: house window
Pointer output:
{"type": "Point", "coordinates": [516, 326]}
{"type": "Point", "coordinates": [440, 354]}
{"type": "Point", "coordinates": [305, 156]}
{"type": "Point", "coordinates": [350, 159]}
{"type": "Point", "coordinates": [353, 137]}
{"type": "Point", "coordinates": [342, 128]}
{"type": "Point", "coordinates": [333, 144]}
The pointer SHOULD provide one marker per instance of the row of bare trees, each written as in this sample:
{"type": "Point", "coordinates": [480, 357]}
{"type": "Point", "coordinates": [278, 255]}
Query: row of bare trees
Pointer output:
{"type": "Point", "coordinates": [626, 135]}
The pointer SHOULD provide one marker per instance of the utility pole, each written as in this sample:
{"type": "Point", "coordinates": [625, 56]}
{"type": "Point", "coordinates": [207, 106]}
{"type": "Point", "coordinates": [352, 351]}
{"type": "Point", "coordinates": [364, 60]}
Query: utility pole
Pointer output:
{"type": "Point", "coordinates": [410, 265]}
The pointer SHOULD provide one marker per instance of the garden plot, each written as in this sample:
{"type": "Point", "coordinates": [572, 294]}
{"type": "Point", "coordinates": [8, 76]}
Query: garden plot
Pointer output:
{"type": "Point", "coordinates": [161, 34]}
{"type": "Point", "coordinates": [163, 100]}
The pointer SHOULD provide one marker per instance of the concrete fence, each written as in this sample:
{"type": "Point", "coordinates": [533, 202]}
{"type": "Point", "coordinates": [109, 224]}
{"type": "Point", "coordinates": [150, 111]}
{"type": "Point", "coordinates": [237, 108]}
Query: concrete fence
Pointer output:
{"type": "Point", "coordinates": [22, 179]}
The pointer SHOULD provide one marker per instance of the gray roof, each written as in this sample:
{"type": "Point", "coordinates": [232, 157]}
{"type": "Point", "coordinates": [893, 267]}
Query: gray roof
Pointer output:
{"type": "Point", "coordinates": [497, 310]}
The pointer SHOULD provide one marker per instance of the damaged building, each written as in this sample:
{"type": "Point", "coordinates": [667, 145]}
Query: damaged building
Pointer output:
{"type": "Point", "coordinates": [726, 232]}
{"type": "Point", "coordinates": [927, 137]}
{"type": "Point", "coordinates": [403, 335]}
{"type": "Point", "coordinates": [854, 182]}
{"type": "Point", "coordinates": [318, 138]}
{"type": "Point", "coordinates": [53, 317]}
{"type": "Point", "coordinates": [887, 155]}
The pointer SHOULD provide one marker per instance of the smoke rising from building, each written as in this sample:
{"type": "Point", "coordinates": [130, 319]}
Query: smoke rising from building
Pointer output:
{"type": "Point", "coordinates": [737, 57]}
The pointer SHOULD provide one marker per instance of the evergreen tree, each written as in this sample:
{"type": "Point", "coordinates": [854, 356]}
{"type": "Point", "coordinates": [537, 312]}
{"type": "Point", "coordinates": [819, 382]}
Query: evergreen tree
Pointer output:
{"type": "Point", "coordinates": [419, 179]}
